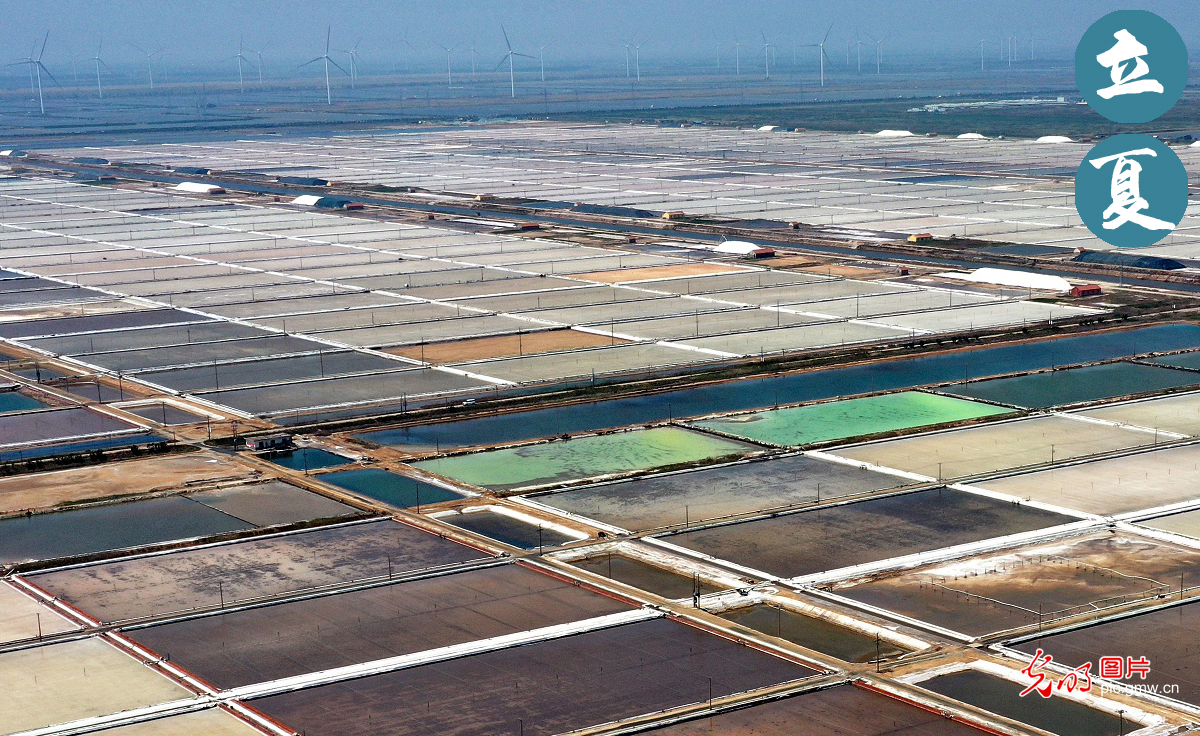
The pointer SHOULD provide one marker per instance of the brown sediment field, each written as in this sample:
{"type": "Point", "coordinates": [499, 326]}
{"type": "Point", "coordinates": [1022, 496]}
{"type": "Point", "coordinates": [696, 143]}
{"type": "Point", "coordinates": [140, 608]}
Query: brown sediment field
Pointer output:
{"type": "Point", "coordinates": [127, 477]}
{"type": "Point", "coordinates": [659, 272]}
{"type": "Point", "coordinates": [990, 593]}
{"type": "Point", "coordinates": [838, 269]}
{"type": "Point", "coordinates": [498, 346]}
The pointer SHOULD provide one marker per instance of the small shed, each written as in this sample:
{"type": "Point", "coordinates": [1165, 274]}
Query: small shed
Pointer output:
{"type": "Point", "coordinates": [1086, 290]}
{"type": "Point", "coordinates": [920, 237]}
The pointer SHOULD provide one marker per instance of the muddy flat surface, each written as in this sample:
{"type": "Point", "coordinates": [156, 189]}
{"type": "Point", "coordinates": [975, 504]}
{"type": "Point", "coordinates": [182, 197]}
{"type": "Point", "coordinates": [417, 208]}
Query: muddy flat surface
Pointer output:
{"type": "Point", "coordinates": [503, 346]}
{"type": "Point", "coordinates": [1167, 638]}
{"type": "Point", "coordinates": [263, 644]}
{"type": "Point", "coordinates": [21, 617]}
{"type": "Point", "coordinates": [546, 688]}
{"type": "Point", "coordinates": [1117, 485]}
{"type": "Point", "coordinates": [130, 477]}
{"type": "Point", "coordinates": [840, 711]}
{"type": "Point", "coordinates": [648, 503]}
{"type": "Point", "coordinates": [180, 581]}
{"type": "Point", "coordinates": [993, 447]}
{"type": "Point", "coordinates": [865, 531]}
{"type": "Point", "coordinates": [991, 593]}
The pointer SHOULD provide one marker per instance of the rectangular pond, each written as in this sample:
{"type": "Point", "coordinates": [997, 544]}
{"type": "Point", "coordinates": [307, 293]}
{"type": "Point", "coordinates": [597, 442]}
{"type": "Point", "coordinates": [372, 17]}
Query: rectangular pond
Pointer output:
{"type": "Point", "coordinates": [800, 425]}
{"type": "Point", "coordinates": [271, 642]}
{"type": "Point", "coordinates": [1072, 385]}
{"type": "Point", "coordinates": [815, 633]}
{"type": "Point", "coordinates": [731, 396]}
{"type": "Point", "coordinates": [391, 488]}
{"type": "Point", "coordinates": [1036, 583]}
{"type": "Point", "coordinates": [1002, 697]}
{"type": "Point", "coordinates": [542, 689]}
{"type": "Point", "coordinates": [709, 493]}
{"type": "Point", "coordinates": [999, 446]}
{"type": "Point", "coordinates": [1165, 637]}
{"type": "Point", "coordinates": [305, 458]}
{"type": "Point", "coordinates": [508, 529]}
{"type": "Point", "coordinates": [844, 710]}
{"type": "Point", "coordinates": [583, 457]}
{"type": "Point", "coordinates": [876, 529]}
{"type": "Point", "coordinates": [187, 579]}
{"type": "Point", "coordinates": [639, 574]}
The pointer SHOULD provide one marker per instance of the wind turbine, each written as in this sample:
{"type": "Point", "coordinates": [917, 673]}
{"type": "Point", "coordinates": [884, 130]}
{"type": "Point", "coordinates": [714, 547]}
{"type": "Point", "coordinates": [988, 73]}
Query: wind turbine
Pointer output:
{"type": "Point", "coordinates": [627, 70]}
{"type": "Point", "coordinates": [878, 54]}
{"type": "Point", "coordinates": [325, 57]}
{"type": "Point", "coordinates": [542, 60]}
{"type": "Point", "coordinates": [149, 62]}
{"type": "Point", "coordinates": [512, 78]}
{"type": "Point", "coordinates": [982, 43]}
{"type": "Point", "coordinates": [447, 49]}
{"type": "Point", "coordinates": [99, 62]}
{"type": "Point", "coordinates": [766, 53]}
{"type": "Point", "coordinates": [260, 64]}
{"type": "Point", "coordinates": [353, 52]}
{"type": "Point", "coordinates": [472, 57]}
{"type": "Point", "coordinates": [241, 60]}
{"type": "Point", "coordinates": [737, 57]}
{"type": "Point", "coordinates": [37, 67]}
{"type": "Point", "coordinates": [821, 52]}
{"type": "Point", "coordinates": [637, 60]}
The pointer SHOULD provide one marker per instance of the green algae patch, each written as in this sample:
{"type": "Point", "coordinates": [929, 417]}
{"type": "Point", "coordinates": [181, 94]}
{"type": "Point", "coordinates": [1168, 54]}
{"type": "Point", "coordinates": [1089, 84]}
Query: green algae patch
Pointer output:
{"type": "Point", "coordinates": [800, 425]}
{"type": "Point", "coordinates": [583, 457]}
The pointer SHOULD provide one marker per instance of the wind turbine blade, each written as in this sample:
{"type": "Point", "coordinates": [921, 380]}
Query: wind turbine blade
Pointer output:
{"type": "Point", "coordinates": [19, 63]}
{"type": "Point", "coordinates": [311, 62]}
{"type": "Point", "coordinates": [827, 33]}
{"type": "Point", "coordinates": [339, 66]}
{"type": "Point", "coordinates": [101, 62]}
{"type": "Point", "coordinates": [506, 41]}
{"type": "Point", "coordinates": [44, 40]}
{"type": "Point", "coordinates": [328, 32]}
{"type": "Point", "coordinates": [502, 60]}
{"type": "Point", "coordinates": [48, 74]}
{"type": "Point", "coordinates": [524, 56]}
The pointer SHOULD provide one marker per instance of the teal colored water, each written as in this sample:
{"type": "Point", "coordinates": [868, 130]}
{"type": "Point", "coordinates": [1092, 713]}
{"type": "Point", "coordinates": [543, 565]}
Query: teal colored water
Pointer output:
{"type": "Point", "coordinates": [583, 457]}
{"type": "Point", "coordinates": [799, 425]}
{"type": "Point", "coordinates": [390, 488]}
{"type": "Point", "coordinates": [16, 401]}
{"type": "Point", "coordinates": [305, 458]}
{"type": "Point", "coordinates": [1089, 383]}
{"type": "Point", "coordinates": [753, 393]}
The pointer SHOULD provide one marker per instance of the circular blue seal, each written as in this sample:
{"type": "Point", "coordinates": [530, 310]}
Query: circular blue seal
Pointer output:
{"type": "Point", "coordinates": [1131, 190]}
{"type": "Point", "coordinates": [1131, 66]}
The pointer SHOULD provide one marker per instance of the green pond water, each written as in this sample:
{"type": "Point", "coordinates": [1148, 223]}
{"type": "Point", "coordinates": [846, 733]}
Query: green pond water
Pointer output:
{"type": "Point", "coordinates": [388, 487]}
{"type": "Point", "coordinates": [814, 633]}
{"type": "Point", "coordinates": [799, 425]}
{"type": "Point", "coordinates": [583, 457]}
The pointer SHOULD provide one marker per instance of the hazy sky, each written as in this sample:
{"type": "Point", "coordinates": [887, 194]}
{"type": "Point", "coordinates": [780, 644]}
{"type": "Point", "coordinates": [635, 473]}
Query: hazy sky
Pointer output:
{"type": "Point", "coordinates": [206, 31]}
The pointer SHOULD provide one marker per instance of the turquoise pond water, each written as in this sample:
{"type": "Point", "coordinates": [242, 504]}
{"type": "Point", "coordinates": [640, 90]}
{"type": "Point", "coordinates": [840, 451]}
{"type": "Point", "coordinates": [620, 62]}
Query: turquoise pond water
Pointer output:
{"type": "Point", "coordinates": [390, 488]}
